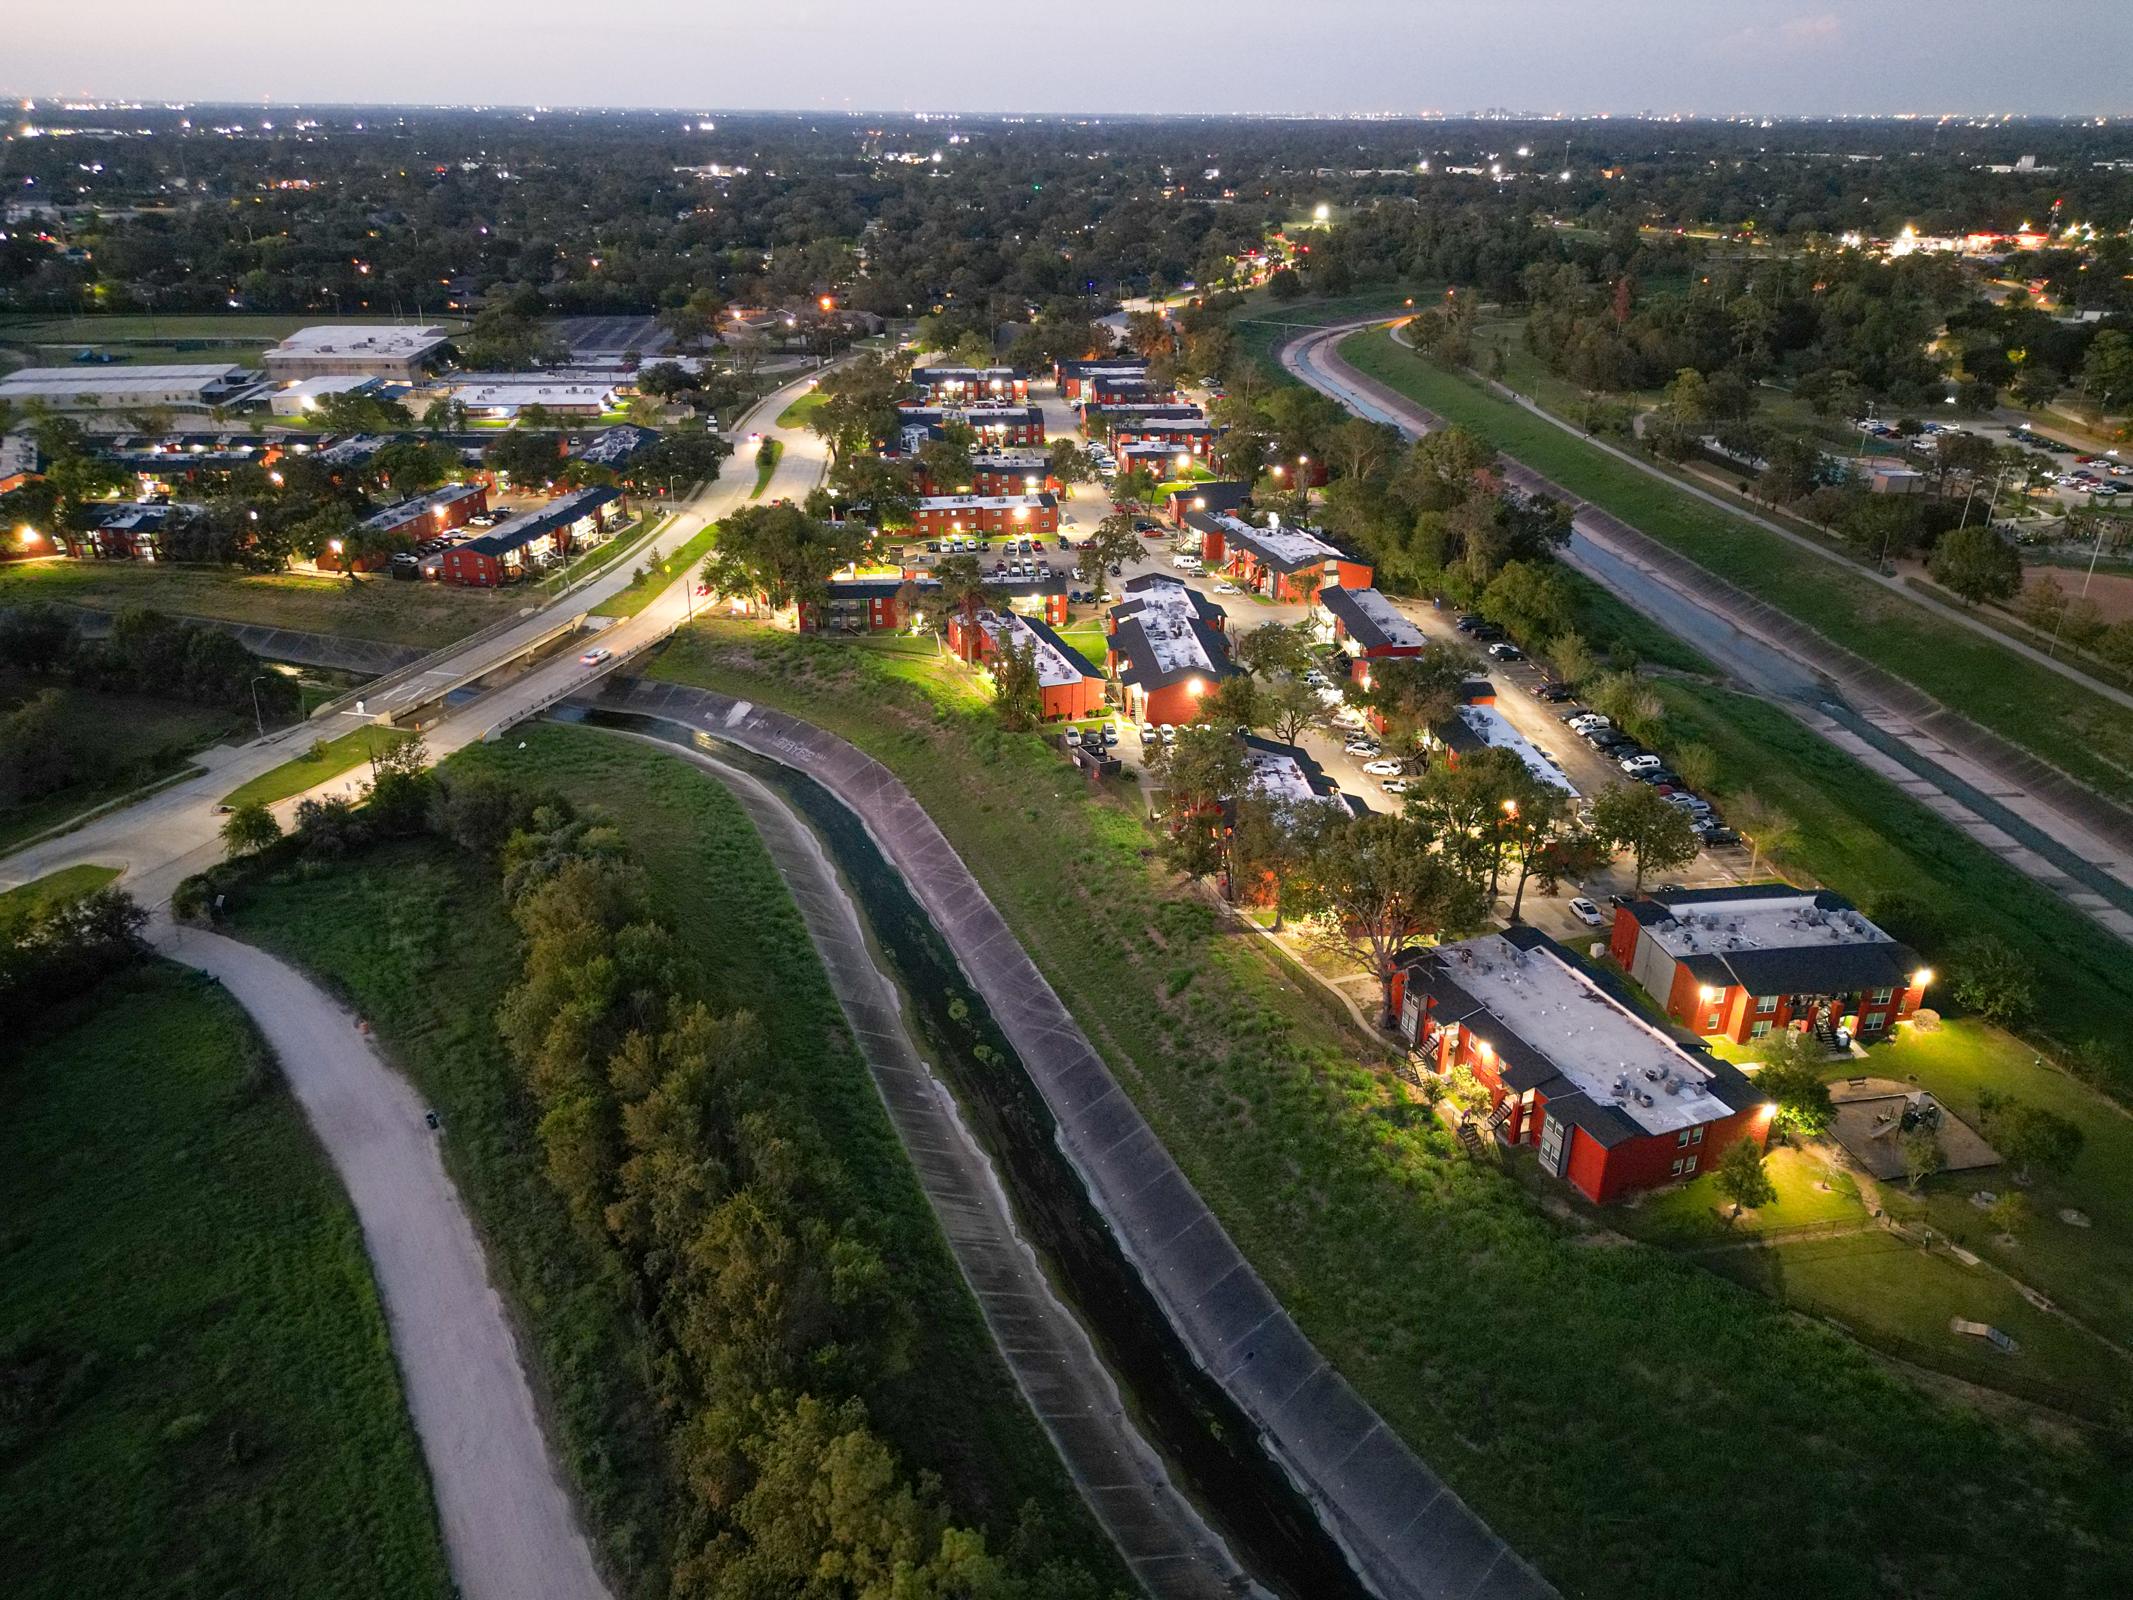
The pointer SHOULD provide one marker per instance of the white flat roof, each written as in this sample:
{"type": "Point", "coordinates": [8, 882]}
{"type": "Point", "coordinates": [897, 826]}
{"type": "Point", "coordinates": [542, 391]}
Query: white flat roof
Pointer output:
{"type": "Point", "coordinates": [1298, 545]}
{"type": "Point", "coordinates": [390, 339]}
{"type": "Point", "coordinates": [1053, 668]}
{"type": "Point", "coordinates": [88, 379]}
{"type": "Point", "coordinates": [1279, 776]}
{"type": "Point", "coordinates": [534, 394]}
{"type": "Point", "coordinates": [1166, 614]}
{"type": "Point", "coordinates": [1599, 1044]}
{"type": "Point", "coordinates": [1396, 628]}
{"type": "Point", "coordinates": [1494, 729]}
{"type": "Point", "coordinates": [1786, 922]}
{"type": "Point", "coordinates": [324, 383]}
{"type": "Point", "coordinates": [981, 502]}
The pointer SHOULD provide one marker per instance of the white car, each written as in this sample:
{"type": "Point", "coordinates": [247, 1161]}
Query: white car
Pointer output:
{"type": "Point", "coordinates": [1586, 719]}
{"type": "Point", "coordinates": [592, 658]}
{"type": "Point", "coordinates": [1382, 769]}
{"type": "Point", "coordinates": [1644, 763]}
{"type": "Point", "coordinates": [1186, 563]}
{"type": "Point", "coordinates": [1586, 912]}
{"type": "Point", "coordinates": [1227, 588]}
{"type": "Point", "coordinates": [1395, 786]}
{"type": "Point", "coordinates": [1362, 747]}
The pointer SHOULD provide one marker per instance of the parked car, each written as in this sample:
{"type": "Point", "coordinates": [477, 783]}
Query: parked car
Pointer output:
{"type": "Point", "coordinates": [1469, 622]}
{"type": "Point", "coordinates": [1383, 769]}
{"type": "Point", "coordinates": [1186, 563]}
{"type": "Point", "coordinates": [1507, 652]}
{"type": "Point", "coordinates": [1110, 733]}
{"type": "Point", "coordinates": [1581, 721]}
{"type": "Point", "coordinates": [1148, 736]}
{"type": "Point", "coordinates": [1586, 912]}
{"type": "Point", "coordinates": [1647, 762]}
{"type": "Point", "coordinates": [1395, 786]}
{"type": "Point", "coordinates": [1227, 588]}
{"type": "Point", "coordinates": [1554, 693]}
{"type": "Point", "coordinates": [1362, 747]}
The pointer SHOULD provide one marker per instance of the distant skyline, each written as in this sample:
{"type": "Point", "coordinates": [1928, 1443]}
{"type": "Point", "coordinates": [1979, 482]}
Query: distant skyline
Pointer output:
{"type": "Point", "coordinates": [1580, 57]}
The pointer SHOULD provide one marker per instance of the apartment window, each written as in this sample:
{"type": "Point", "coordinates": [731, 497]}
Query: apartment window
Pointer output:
{"type": "Point", "coordinates": [1677, 1166]}
{"type": "Point", "coordinates": [1681, 1139]}
{"type": "Point", "coordinates": [1767, 1004]}
{"type": "Point", "coordinates": [1695, 1137]}
{"type": "Point", "coordinates": [1882, 997]}
{"type": "Point", "coordinates": [1712, 1023]}
{"type": "Point", "coordinates": [1760, 1030]}
{"type": "Point", "coordinates": [1688, 1167]}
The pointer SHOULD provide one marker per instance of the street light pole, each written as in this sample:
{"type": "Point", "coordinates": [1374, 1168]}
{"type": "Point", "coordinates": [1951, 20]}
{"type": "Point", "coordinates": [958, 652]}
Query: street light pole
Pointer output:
{"type": "Point", "coordinates": [259, 723]}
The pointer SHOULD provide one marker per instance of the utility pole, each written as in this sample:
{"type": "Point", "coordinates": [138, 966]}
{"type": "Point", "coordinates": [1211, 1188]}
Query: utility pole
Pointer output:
{"type": "Point", "coordinates": [259, 723]}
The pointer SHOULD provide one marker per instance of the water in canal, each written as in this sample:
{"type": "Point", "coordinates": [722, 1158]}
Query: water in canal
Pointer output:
{"type": "Point", "coordinates": [1213, 1450]}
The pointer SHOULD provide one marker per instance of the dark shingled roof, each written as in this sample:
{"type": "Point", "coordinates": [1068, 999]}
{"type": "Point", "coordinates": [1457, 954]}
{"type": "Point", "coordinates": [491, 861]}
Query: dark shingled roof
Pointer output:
{"type": "Point", "coordinates": [558, 513]}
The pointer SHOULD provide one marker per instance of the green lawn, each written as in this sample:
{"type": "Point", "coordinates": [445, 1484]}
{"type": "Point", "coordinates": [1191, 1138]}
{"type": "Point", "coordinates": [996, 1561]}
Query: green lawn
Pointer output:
{"type": "Point", "coordinates": [238, 327]}
{"type": "Point", "coordinates": [2087, 1270]}
{"type": "Point", "coordinates": [382, 925]}
{"type": "Point", "coordinates": [766, 465]}
{"type": "Point", "coordinates": [643, 590]}
{"type": "Point", "coordinates": [1695, 1214]}
{"type": "Point", "coordinates": [310, 769]}
{"type": "Point", "coordinates": [1867, 839]}
{"type": "Point", "coordinates": [1528, 1367]}
{"type": "Point", "coordinates": [200, 1396]}
{"type": "Point", "coordinates": [425, 615]}
{"type": "Point", "coordinates": [796, 414]}
{"type": "Point", "coordinates": [2074, 728]}
{"type": "Point", "coordinates": [54, 888]}
{"type": "Point", "coordinates": [123, 740]}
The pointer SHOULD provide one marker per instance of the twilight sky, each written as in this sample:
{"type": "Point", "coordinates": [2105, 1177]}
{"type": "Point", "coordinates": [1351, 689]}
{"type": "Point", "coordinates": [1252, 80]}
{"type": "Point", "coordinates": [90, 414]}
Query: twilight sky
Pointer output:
{"type": "Point", "coordinates": [1797, 57]}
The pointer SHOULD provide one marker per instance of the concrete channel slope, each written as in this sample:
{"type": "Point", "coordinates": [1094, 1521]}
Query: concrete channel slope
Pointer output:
{"type": "Point", "coordinates": [1407, 1534]}
{"type": "Point", "coordinates": [510, 1530]}
{"type": "Point", "coordinates": [1161, 1536]}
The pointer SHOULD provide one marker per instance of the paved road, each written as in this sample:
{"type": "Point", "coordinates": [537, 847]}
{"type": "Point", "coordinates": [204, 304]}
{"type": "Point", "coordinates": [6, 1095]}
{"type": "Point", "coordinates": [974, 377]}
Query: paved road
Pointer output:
{"type": "Point", "coordinates": [1159, 1533]}
{"type": "Point", "coordinates": [176, 831]}
{"type": "Point", "coordinates": [510, 1532]}
{"type": "Point", "coordinates": [1405, 1530]}
{"type": "Point", "coordinates": [2036, 819]}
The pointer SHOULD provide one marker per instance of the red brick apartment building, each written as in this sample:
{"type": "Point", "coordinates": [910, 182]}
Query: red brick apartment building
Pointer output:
{"type": "Point", "coordinates": [997, 427]}
{"type": "Point", "coordinates": [423, 517]}
{"type": "Point", "coordinates": [1218, 495]}
{"type": "Point", "coordinates": [1167, 649]}
{"type": "Point", "coordinates": [861, 605]}
{"type": "Point", "coordinates": [526, 543]}
{"type": "Point", "coordinates": [1282, 563]}
{"type": "Point", "coordinates": [1740, 963]}
{"type": "Point", "coordinates": [1608, 1101]}
{"type": "Point", "coordinates": [1181, 436]}
{"type": "Point", "coordinates": [939, 516]}
{"type": "Point", "coordinates": [1366, 625]}
{"type": "Point", "coordinates": [1068, 684]}
{"type": "Point", "coordinates": [998, 472]}
{"type": "Point", "coordinates": [1076, 379]}
{"type": "Point", "coordinates": [950, 385]}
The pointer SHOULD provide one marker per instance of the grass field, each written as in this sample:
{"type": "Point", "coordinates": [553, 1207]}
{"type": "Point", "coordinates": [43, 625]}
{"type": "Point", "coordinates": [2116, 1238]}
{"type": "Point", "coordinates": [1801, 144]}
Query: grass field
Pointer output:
{"type": "Point", "coordinates": [796, 414]}
{"type": "Point", "coordinates": [642, 591]}
{"type": "Point", "coordinates": [382, 925]}
{"type": "Point", "coordinates": [2074, 728]}
{"type": "Point", "coordinates": [200, 1396]}
{"type": "Point", "coordinates": [236, 327]}
{"type": "Point", "coordinates": [54, 888]}
{"type": "Point", "coordinates": [128, 740]}
{"type": "Point", "coordinates": [1265, 322]}
{"type": "Point", "coordinates": [1527, 1367]}
{"type": "Point", "coordinates": [425, 615]}
{"type": "Point", "coordinates": [307, 771]}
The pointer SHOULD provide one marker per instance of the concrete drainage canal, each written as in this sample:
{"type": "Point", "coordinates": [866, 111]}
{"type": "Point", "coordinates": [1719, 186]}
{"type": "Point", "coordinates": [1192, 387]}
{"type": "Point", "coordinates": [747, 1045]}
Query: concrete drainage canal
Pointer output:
{"type": "Point", "coordinates": [1210, 1448]}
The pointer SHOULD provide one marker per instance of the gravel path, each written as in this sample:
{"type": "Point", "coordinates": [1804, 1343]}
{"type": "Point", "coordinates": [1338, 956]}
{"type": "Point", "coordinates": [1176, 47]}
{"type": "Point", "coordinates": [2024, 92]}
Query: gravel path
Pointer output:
{"type": "Point", "coordinates": [510, 1530]}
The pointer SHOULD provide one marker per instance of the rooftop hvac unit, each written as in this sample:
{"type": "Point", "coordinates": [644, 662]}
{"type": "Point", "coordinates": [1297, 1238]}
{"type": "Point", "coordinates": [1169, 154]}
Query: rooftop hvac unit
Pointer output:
{"type": "Point", "coordinates": [1673, 1084]}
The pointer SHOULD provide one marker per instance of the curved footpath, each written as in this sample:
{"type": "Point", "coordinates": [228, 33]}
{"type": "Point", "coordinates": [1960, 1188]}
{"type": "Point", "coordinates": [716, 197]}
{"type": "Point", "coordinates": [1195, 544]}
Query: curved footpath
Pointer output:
{"type": "Point", "coordinates": [1408, 1535]}
{"type": "Point", "coordinates": [510, 1530]}
{"type": "Point", "coordinates": [1169, 1547]}
{"type": "Point", "coordinates": [2044, 823]}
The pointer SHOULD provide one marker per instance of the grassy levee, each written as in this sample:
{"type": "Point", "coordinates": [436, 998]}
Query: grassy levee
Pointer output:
{"type": "Point", "coordinates": [424, 615]}
{"type": "Point", "coordinates": [2074, 728]}
{"type": "Point", "coordinates": [642, 591]}
{"type": "Point", "coordinates": [1633, 1423]}
{"type": "Point", "coordinates": [419, 937]}
{"type": "Point", "coordinates": [199, 1394]}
